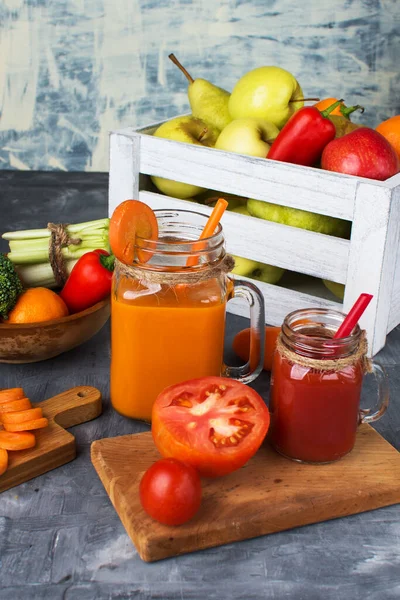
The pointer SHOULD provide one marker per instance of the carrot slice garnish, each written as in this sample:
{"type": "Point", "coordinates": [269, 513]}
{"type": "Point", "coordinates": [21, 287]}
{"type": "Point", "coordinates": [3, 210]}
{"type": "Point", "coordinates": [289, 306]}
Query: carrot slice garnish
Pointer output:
{"type": "Point", "coordinates": [20, 416]}
{"type": "Point", "coordinates": [22, 404]}
{"type": "Point", "coordinates": [17, 441]}
{"type": "Point", "coordinates": [27, 425]}
{"type": "Point", "coordinates": [11, 394]}
{"type": "Point", "coordinates": [132, 219]}
{"type": "Point", "coordinates": [3, 460]}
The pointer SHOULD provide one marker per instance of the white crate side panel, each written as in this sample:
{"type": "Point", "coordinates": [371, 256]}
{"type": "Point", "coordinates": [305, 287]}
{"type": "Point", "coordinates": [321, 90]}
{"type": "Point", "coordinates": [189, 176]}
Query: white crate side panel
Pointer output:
{"type": "Point", "coordinates": [298, 250]}
{"type": "Point", "coordinates": [280, 183]}
{"type": "Point", "coordinates": [124, 169]}
{"type": "Point", "coordinates": [279, 302]}
{"type": "Point", "coordinates": [394, 315]}
{"type": "Point", "coordinates": [372, 260]}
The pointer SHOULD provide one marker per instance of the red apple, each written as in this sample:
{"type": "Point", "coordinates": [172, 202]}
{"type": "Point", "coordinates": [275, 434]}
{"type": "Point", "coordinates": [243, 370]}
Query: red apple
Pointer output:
{"type": "Point", "coordinates": [363, 152]}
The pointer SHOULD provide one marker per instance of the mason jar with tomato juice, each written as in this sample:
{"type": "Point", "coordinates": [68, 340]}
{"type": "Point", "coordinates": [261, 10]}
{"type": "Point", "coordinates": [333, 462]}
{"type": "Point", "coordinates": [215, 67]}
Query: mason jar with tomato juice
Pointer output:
{"type": "Point", "coordinates": [168, 313]}
{"type": "Point", "coordinates": [316, 386]}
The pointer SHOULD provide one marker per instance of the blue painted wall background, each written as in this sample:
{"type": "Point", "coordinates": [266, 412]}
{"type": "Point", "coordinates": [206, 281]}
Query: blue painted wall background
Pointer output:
{"type": "Point", "coordinates": [72, 70]}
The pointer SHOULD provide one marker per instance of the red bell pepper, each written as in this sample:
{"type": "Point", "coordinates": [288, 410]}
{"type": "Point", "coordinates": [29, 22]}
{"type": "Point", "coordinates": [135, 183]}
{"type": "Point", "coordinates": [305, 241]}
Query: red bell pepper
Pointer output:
{"type": "Point", "coordinates": [89, 281]}
{"type": "Point", "coordinates": [303, 138]}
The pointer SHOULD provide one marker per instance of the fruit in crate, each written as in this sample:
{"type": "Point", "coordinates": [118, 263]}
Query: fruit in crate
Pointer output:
{"type": "Point", "coordinates": [294, 217]}
{"type": "Point", "coordinates": [269, 93]}
{"type": "Point", "coordinates": [210, 197]}
{"type": "Point", "coordinates": [207, 101]}
{"type": "Point", "coordinates": [390, 129]}
{"type": "Point", "coordinates": [245, 267]}
{"type": "Point", "coordinates": [363, 152]}
{"type": "Point", "coordinates": [190, 130]}
{"type": "Point", "coordinates": [248, 136]}
{"type": "Point", "coordinates": [337, 289]}
{"type": "Point", "coordinates": [340, 116]}
{"type": "Point", "coordinates": [242, 210]}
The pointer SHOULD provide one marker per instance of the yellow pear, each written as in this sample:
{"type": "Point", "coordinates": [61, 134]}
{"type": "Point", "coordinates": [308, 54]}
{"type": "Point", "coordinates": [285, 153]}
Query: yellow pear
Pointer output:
{"type": "Point", "coordinates": [207, 101]}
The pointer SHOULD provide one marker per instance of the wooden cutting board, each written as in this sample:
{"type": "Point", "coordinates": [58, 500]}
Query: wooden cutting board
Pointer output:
{"type": "Point", "coordinates": [267, 495]}
{"type": "Point", "coordinates": [54, 446]}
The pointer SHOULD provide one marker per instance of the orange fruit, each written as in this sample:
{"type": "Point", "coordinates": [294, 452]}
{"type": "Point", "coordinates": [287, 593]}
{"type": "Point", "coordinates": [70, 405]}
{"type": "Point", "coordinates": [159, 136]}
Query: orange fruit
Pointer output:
{"type": "Point", "coordinates": [37, 305]}
{"type": "Point", "coordinates": [326, 103]}
{"type": "Point", "coordinates": [390, 129]}
{"type": "Point", "coordinates": [132, 219]}
{"type": "Point", "coordinates": [241, 345]}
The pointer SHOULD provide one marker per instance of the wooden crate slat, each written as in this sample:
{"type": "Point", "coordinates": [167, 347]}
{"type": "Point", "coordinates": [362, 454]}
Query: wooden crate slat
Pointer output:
{"type": "Point", "coordinates": [291, 185]}
{"type": "Point", "coordinates": [298, 250]}
{"type": "Point", "coordinates": [280, 301]}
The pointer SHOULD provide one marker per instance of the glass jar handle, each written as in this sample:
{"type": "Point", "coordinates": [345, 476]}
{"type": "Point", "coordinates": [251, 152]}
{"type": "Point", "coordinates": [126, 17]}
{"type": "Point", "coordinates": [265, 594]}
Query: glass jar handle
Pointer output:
{"type": "Point", "coordinates": [383, 396]}
{"type": "Point", "coordinates": [248, 372]}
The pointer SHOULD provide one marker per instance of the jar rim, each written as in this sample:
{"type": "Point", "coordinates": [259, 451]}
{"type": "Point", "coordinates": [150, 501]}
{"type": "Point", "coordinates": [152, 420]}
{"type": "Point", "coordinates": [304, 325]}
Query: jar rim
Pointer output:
{"type": "Point", "coordinates": [166, 211]}
{"type": "Point", "coordinates": [305, 343]}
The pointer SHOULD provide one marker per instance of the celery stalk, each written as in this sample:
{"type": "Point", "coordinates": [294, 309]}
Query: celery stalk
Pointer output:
{"type": "Point", "coordinates": [29, 249]}
{"type": "Point", "coordinates": [27, 234]}
{"type": "Point", "coordinates": [40, 275]}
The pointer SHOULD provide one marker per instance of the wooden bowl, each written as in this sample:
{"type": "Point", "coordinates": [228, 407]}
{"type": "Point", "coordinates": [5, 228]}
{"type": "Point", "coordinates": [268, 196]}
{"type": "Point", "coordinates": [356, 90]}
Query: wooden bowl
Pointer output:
{"type": "Point", "coordinates": [33, 342]}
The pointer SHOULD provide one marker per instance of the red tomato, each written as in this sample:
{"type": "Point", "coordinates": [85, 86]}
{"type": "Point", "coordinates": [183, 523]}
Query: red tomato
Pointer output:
{"type": "Point", "coordinates": [170, 491]}
{"type": "Point", "coordinates": [213, 423]}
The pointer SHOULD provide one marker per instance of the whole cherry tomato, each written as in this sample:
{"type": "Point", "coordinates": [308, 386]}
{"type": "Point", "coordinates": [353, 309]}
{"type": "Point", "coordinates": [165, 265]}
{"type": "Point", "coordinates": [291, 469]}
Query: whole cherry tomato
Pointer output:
{"type": "Point", "coordinates": [215, 424]}
{"type": "Point", "coordinates": [170, 491]}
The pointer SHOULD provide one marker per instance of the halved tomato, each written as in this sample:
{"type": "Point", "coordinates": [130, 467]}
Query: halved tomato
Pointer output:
{"type": "Point", "coordinates": [216, 424]}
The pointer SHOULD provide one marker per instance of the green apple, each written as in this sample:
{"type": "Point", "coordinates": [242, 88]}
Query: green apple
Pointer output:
{"type": "Point", "coordinates": [337, 289]}
{"type": "Point", "coordinates": [248, 136]}
{"type": "Point", "coordinates": [256, 270]}
{"type": "Point", "coordinates": [299, 218]}
{"type": "Point", "coordinates": [269, 93]}
{"type": "Point", "coordinates": [190, 130]}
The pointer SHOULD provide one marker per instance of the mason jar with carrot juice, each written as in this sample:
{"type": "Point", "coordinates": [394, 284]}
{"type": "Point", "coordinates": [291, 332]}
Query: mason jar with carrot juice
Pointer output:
{"type": "Point", "coordinates": [168, 313]}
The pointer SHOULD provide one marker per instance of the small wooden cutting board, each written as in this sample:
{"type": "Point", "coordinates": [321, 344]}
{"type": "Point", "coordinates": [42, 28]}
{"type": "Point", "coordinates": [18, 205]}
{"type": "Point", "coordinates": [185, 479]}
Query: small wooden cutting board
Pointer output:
{"type": "Point", "coordinates": [269, 494]}
{"type": "Point", "coordinates": [54, 446]}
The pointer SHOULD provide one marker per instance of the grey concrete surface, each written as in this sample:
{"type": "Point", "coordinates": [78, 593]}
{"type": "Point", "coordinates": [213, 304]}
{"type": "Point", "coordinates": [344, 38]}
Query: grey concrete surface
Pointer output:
{"type": "Point", "coordinates": [60, 537]}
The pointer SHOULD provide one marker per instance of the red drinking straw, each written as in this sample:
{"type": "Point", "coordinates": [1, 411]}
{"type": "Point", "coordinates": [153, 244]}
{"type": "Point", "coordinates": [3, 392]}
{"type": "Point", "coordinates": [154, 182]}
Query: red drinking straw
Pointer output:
{"type": "Point", "coordinates": [353, 316]}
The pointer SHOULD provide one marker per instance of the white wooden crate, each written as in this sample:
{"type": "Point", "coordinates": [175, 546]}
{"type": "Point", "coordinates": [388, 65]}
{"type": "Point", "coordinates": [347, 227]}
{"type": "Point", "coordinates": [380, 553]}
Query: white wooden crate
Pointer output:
{"type": "Point", "coordinates": [365, 263]}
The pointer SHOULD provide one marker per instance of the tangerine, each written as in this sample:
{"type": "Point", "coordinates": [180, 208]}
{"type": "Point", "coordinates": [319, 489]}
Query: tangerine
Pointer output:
{"type": "Point", "coordinates": [390, 129]}
{"type": "Point", "coordinates": [37, 305]}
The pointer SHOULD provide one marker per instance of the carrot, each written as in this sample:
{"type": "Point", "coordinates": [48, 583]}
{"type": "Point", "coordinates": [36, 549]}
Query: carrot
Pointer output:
{"type": "Point", "coordinates": [27, 425]}
{"type": "Point", "coordinates": [11, 394]}
{"type": "Point", "coordinates": [20, 416]}
{"type": "Point", "coordinates": [132, 219]}
{"type": "Point", "coordinates": [3, 460]}
{"type": "Point", "coordinates": [14, 405]}
{"type": "Point", "coordinates": [17, 441]}
{"type": "Point", "coordinates": [241, 345]}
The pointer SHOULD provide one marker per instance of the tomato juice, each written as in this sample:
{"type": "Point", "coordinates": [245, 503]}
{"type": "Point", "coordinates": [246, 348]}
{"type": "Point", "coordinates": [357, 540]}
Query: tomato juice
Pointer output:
{"type": "Point", "coordinates": [162, 335]}
{"type": "Point", "coordinates": [314, 415]}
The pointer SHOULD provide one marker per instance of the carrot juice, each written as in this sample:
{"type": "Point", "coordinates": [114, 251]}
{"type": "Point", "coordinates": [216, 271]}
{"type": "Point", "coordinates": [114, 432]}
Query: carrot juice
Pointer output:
{"type": "Point", "coordinates": [168, 313]}
{"type": "Point", "coordinates": [161, 338]}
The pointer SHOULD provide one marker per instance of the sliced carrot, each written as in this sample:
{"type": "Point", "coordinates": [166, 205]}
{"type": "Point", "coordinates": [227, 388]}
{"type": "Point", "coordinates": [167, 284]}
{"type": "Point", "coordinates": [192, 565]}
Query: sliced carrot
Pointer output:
{"type": "Point", "coordinates": [132, 219]}
{"type": "Point", "coordinates": [17, 441]}
{"type": "Point", "coordinates": [22, 404]}
{"type": "Point", "coordinates": [3, 460]}
{"type": "Point", "coordinates": [20, 416]}
{"type": "Point", "coordinates": [27, 425]}
{"type": "Point", "coordinates": [11, 394]}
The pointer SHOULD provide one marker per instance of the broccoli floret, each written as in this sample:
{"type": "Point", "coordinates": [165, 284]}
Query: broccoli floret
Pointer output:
{"type": "Point", "coordinates": [10, 286]}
